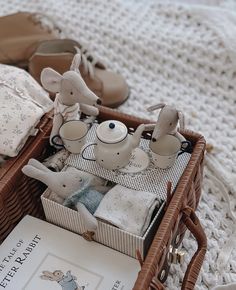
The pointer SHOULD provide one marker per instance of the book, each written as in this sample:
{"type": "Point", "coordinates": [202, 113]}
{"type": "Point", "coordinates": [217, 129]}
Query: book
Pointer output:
{"type": "Point", "coordinates": [40, 256]}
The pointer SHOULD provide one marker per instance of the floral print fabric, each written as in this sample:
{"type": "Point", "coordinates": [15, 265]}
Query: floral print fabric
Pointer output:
{"type": "Point", "coordinates": [128, 209]}
{"type": "Point", "coordinates": [23, 103]}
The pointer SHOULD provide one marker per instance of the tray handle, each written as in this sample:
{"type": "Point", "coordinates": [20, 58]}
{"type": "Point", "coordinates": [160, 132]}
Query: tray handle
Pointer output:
{"type": "Point", "coordinates": [192, 222]}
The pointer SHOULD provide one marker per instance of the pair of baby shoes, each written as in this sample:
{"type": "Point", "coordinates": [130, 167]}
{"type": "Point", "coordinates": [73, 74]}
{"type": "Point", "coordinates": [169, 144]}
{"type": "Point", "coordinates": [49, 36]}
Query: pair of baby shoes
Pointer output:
{"type": "Point", "coordinates": [32, 41]}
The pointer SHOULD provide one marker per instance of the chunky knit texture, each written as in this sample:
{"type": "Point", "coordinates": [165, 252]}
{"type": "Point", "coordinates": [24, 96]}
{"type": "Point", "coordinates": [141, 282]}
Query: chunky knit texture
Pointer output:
{"type": "Point", "coordinates": [180, 53]}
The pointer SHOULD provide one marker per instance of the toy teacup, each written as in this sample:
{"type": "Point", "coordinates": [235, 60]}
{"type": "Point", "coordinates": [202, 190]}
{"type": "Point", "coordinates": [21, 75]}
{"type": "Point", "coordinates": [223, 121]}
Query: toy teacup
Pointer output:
{"type": "Point", "coordinates": [167, 149]}
{"type": "Point", "coordinates": [72, 135]}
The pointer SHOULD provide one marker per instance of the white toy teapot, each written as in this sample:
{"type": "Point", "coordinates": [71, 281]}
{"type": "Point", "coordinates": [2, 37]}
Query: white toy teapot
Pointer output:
{"type": "Point", "coordinates": [114, 146]}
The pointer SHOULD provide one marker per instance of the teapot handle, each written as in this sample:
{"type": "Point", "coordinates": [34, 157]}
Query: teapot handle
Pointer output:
{"type": "Point", "coordinates": [82, 153]}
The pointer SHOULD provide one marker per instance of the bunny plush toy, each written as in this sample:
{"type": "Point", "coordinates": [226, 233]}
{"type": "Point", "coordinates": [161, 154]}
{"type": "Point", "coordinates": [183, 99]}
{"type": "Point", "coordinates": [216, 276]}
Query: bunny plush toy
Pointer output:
{"type": "Point", "coordinates": [67, 282]}
{"type": "Point", "coordinates": [73, 188]}
{"type": "Point", "coordinates": [72, 96]}
{"type": "Point", "coordinates": [167, 122]}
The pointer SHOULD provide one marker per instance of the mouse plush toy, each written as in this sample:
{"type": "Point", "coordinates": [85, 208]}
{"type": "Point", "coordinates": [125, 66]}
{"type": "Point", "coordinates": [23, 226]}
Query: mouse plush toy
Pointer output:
{"type": "Point", "coordinates": [73, 97]}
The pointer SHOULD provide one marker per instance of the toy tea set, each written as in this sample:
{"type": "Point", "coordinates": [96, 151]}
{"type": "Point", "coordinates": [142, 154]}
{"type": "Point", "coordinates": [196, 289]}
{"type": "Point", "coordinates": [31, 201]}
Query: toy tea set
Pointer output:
{"type": "Point", "coordinates": [113, 144]}
{"type": "Point", "coordinates": [113, 147]}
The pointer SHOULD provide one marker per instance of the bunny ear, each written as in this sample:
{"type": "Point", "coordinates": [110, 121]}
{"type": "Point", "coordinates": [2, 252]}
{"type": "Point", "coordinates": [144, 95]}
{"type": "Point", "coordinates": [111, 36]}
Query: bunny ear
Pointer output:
{"type": "Point", "coordinates": [155, 107]}
{"type": "Point", "coordinates": [30, 171]}
{"type": "Point", "coordinates": [35, 163]}
{"type": "Point", "coordinates": [181, 120]}
{"type": "Point", "coordinates": [34, 172]}
{"type": "Point", "coordinates": [72, 169]}
{"type": "Point", "coordinates": [44, 277]}
{"type": "Point", "coordinates": [47, 276]}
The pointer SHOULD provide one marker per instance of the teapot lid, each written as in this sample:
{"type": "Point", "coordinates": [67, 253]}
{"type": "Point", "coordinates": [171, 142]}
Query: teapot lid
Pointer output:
{"type": "Point", "coordinates": [111, 131]}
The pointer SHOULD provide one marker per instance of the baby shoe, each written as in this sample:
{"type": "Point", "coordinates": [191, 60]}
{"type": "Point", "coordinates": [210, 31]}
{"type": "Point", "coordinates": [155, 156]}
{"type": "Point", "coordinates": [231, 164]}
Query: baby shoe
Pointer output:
{"type": "Point", "coordinates": [21, 33]}
{"type": "Point", "coordinates": [59, 53]}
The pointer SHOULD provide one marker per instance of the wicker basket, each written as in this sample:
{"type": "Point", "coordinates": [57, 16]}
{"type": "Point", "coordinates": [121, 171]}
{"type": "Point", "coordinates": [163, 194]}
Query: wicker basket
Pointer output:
{"type": "Point", "coordinates": [19, 195]}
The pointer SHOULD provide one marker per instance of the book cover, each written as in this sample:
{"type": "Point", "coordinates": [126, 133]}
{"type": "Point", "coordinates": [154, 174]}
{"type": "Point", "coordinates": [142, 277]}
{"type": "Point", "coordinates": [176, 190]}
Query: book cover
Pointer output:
{"type": "Point", "coordinates": [40, 256]}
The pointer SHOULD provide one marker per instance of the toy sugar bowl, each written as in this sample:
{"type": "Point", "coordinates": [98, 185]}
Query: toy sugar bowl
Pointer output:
{"type": "Point", "coordinates": [114, 146]}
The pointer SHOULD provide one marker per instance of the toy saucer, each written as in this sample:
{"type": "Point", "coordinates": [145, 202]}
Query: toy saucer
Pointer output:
{"type": "Point", "coordinates": [138, 162]}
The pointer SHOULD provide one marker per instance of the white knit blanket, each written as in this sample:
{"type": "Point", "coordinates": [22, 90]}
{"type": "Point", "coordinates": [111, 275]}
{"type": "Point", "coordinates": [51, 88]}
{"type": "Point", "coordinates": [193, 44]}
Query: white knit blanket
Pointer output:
{"type": "Point", "coordinates": [183, 54]}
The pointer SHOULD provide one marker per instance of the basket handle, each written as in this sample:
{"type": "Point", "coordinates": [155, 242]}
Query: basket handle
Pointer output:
{"type": "Point", "coordinates": [156, 284]}
{"type": "Point", "coordinates": [192, 222]}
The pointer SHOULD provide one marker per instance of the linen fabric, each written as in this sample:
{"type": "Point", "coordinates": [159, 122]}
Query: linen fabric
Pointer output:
{"type": "Point", "coordinates": [128, 209]}
{"type": "Point", "coordinates": [23, 103]}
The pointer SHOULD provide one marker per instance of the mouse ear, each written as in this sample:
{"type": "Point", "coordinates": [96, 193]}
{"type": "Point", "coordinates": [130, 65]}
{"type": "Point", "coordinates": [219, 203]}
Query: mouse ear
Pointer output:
{"type": "Point", "coordinates": [181, 120]}
{"type": "Point", "coordinates": [51, 80]}
{"type": "Point", "coordinates": [76, 61]}
{"type": "Point", "coordinates": [155, 107]}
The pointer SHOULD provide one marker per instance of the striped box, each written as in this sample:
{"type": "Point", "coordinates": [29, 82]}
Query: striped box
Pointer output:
{"type": "Point", "coordinates": [106, 234]}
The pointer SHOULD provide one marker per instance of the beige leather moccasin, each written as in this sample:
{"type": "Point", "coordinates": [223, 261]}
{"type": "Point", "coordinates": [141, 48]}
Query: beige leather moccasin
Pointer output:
{"type": "Point", "coordinates": [58, 54]}
{"type": "Point", "coordinates": [21, 33]}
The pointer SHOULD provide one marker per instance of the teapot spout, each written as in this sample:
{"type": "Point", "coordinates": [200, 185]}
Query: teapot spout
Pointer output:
{"type": "Point", "coordinates": [137, 135]}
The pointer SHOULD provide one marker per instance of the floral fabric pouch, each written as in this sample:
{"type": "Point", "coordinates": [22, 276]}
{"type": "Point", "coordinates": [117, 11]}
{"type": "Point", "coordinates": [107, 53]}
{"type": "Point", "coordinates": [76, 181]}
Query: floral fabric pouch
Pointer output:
{"type": "Point", "coordinates": [23, 103]}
